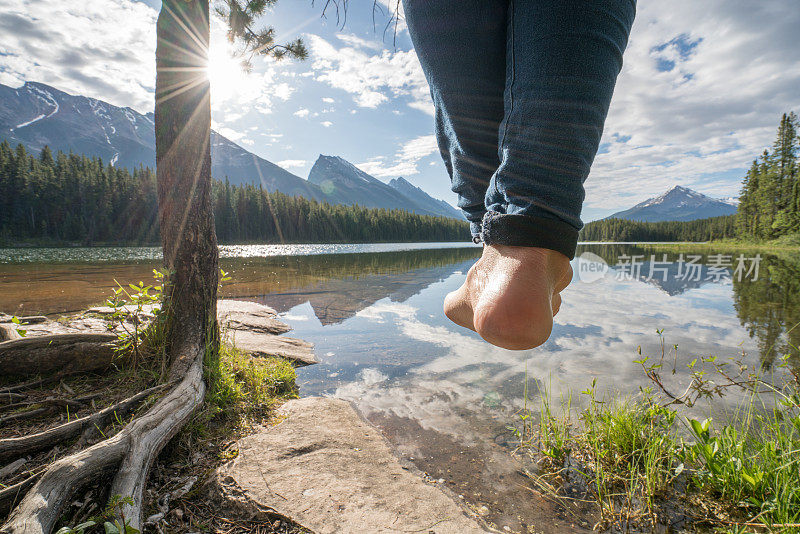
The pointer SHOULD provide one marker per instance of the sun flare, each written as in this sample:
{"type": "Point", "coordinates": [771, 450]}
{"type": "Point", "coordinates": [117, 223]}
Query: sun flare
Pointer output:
{"type": "Point", "coordinates": [225, 73]}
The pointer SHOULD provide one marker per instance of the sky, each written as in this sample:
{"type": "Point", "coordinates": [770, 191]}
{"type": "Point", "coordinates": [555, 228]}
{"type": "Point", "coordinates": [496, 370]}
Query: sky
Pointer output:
{"type": "Point", "coordinates": [702, 89]}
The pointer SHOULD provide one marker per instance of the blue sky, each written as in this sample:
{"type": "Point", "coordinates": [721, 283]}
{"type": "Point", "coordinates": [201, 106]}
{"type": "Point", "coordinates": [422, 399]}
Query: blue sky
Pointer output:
{"type": "Point", "coordinates": [701, 92]}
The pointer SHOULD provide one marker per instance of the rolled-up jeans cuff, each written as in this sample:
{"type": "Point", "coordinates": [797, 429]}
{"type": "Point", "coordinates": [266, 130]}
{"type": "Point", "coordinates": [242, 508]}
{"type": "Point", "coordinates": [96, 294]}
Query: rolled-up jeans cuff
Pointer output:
{"type": "Point", "coordinates": [475, 229]}
{"type": "Point", "coordinates": [529, 231]}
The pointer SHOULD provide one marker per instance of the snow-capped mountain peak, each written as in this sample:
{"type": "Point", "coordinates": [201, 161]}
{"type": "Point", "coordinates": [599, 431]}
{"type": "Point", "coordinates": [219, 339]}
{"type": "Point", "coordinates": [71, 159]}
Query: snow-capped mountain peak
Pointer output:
{"type": "Point", "coordinates": [677, 204]}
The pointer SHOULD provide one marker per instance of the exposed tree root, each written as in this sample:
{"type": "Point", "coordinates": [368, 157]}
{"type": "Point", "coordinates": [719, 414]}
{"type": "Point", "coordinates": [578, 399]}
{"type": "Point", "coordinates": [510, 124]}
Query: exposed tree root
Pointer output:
{"type": "Point", "coordinates": [39, 382]}
{"type": "Point", "coordinates": [28, 414]}
{"type": "Point", "coordinates": [12, 448]}
{"type": "Point", "coordinates": [11, 494]}
{"type": "Point", "coordinates": [50, 405]}
{"type": "Point", "coordinates": [57, 352]}
{"type": "Point", "coordinates": [54, 402]}
{"type": "Point", "coordinates": [135, 446]}
{"type": "Point", "coordinates": [10, 397]}
{"type": "Point", "coordinates": [160, 428]}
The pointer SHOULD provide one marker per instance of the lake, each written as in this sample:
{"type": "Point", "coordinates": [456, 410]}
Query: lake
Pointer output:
{"type": "Point", "coordinates": [440, 394]}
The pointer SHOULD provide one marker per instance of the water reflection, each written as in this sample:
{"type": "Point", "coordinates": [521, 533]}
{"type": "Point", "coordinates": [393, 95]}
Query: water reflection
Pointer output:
{"type": "Point", "coordinates": [445, 397]}
{"type": "Point", "coordinates": [766, 299]}
{"type": "Point", "coordinates": [338, 285]}
{"type": "Point", "coordinates": [442, 395]}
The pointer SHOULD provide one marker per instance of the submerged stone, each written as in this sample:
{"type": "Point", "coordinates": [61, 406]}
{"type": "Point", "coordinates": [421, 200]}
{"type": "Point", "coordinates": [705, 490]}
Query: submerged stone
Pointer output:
{"type": "Point", "coordinates": [327, 469]}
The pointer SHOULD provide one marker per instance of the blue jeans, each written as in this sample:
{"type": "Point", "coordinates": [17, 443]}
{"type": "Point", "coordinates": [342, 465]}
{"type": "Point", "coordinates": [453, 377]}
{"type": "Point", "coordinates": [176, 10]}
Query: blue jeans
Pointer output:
{"type": "Point", "coordinates": [521, 90]}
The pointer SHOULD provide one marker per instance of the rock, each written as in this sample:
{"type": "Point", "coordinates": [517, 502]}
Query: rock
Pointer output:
{"type": "Point", "coordinates": [327, 469]}
{"type": "Point", "coordinates": [29, 319]}
{"type": "Point", "coordinates": [153, 519]}
{"type": "Point", "coordinates": [129, 309]}
{"type": "Point", "coordinates": [228, 306]}
{"type": "Point", "coordinates": [8, 331]}
{"type": "Point", "coordinates": [299, 351]}
{"type": "Point", "coordinates": [241, 315]}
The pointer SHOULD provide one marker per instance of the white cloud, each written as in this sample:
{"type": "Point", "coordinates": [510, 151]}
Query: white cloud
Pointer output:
{"type": "Point", "coordinates": [292, 163]}
{"type": "Point", "coordinates": [372, 78]}
{"type": "Point", "coordinates": [82, 48]}
{"type": "Point", "coordinates": [405, 161]}
{"type": "Point", "coordinates": [328, 100]}
{"type": "Point", "coordinates": [326, 124]}
{"type": "Point", "coordinates": [734, 72]}
{"type": "Point", "coordinates": [283, 91]}
{"type": "Point", "coordinates": [302, 112]}
{"type": "Point", "coordinates": [358, 42]}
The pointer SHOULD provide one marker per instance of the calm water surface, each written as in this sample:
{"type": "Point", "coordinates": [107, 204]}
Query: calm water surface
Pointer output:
{"type": "Point", "coordinates": [439, 393]}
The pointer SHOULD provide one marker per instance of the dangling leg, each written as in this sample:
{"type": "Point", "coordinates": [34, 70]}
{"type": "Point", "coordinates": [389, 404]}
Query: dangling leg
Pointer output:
{"type": "Point", "coordinates": [461, 45]}
{"type": "Point", "coordinates": [563, 60]}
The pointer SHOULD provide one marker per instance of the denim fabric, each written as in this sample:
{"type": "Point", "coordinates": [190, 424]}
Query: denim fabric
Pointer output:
{"type": "Point", "coordinates": [521, 90]}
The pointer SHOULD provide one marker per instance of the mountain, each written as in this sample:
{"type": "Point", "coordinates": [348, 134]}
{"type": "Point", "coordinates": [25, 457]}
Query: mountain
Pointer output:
{"type": "Point", "coordinates": [423, 199]}
{"type": "Point", "coordinates": [37, 114]}
{"type": "Point", "coordinates": [241, 167]}
{"type": "Point", "coordinates": [677, 204]}
{"type": "Point", "coordinates": [346, 183]}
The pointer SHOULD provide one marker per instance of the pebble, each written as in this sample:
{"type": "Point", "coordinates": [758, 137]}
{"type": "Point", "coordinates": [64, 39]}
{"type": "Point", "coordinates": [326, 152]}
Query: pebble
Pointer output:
{"type": "Point", "coordinates": [153, 519]}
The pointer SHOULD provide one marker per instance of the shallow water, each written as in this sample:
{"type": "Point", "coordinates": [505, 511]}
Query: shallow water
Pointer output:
{"type": "Point", "coordinates": [443, 396]}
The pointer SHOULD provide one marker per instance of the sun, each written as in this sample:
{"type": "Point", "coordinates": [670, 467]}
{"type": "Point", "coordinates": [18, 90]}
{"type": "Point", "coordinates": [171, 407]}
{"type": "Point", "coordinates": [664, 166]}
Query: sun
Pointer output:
{"type": "Point", "coordinates": [225, 73]}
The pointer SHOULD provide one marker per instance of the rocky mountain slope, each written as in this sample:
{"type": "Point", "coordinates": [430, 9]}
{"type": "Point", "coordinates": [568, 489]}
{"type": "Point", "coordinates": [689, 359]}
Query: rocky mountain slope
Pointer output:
{"type": "Point", "coordinates": [677, 204]}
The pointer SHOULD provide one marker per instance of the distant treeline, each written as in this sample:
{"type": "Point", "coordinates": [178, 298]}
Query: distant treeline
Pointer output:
{"type": "Point", "coordinates": [69, 198]}
{"type": "Point", "coordinates": [625, 230]}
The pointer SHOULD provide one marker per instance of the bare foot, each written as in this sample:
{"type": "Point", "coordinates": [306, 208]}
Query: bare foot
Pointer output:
{"type": "Point", "coordinates": [511, 295]}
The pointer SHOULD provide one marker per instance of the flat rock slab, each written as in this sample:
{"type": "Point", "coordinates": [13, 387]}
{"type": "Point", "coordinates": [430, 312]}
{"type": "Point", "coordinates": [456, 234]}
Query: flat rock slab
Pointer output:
{"type": "Point", "coordinates": [242, 315]}
{"type": "Point", "coordinates": [260, 344]}
{"type": "Point", "coordinates": [327, 469]}
{"type": "Point", "coordinates": [127, 309]}
{"type": "Point", "coordinates": [227, 306]}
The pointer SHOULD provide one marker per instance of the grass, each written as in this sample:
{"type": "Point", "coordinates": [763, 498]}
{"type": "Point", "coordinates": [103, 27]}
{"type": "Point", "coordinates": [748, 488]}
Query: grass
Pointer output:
{"type": "Point", "coordinates": [242, 392]}
{"type": "Point", "coordinates": [646, 460]}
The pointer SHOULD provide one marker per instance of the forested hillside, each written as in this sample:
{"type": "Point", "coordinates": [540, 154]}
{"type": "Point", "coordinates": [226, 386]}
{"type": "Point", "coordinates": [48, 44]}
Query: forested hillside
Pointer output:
{"type": "Point", "coordinates": [68, 198]}
{"type": "Point", "coordinates": [770, 200]}
{"type": "Point", "coordinates": [625, 230]}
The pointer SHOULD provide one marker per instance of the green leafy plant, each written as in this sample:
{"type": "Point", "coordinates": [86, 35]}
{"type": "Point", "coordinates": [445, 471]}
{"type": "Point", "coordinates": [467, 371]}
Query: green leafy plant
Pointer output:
{"type": "Point", "coordinates": [112, 520]}
{"type": "Point", "coordinates": [22, 332]}
{"type": "Point", "coordinates": [137, 312]}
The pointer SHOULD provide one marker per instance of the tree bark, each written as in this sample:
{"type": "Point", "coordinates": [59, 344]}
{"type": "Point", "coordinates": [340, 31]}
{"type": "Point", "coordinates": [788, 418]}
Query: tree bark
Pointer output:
{"type": "Point", "coordinates": [183, 167]}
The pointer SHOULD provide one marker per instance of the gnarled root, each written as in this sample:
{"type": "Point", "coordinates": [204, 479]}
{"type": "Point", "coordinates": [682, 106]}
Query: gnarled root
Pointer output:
{"type": "Point", "coordinates": [135, 447]}
{"type": "Point", "coordinates": [57, 352]}
{"type": "Point", "coordinates": [12, 448]}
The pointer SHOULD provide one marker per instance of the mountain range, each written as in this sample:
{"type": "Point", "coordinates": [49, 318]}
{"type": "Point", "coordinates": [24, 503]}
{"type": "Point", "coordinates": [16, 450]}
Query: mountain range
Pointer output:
{"type": "Point", "coordinates": [38, 115]}
{"type": "Point", "coordinates": [678, 204]}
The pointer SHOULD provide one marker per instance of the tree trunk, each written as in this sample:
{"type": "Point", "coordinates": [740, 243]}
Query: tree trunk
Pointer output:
{"type": "Point", "coordinates": [183, 165]}
{"type": "Point", "coordinates": [183, 161]}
